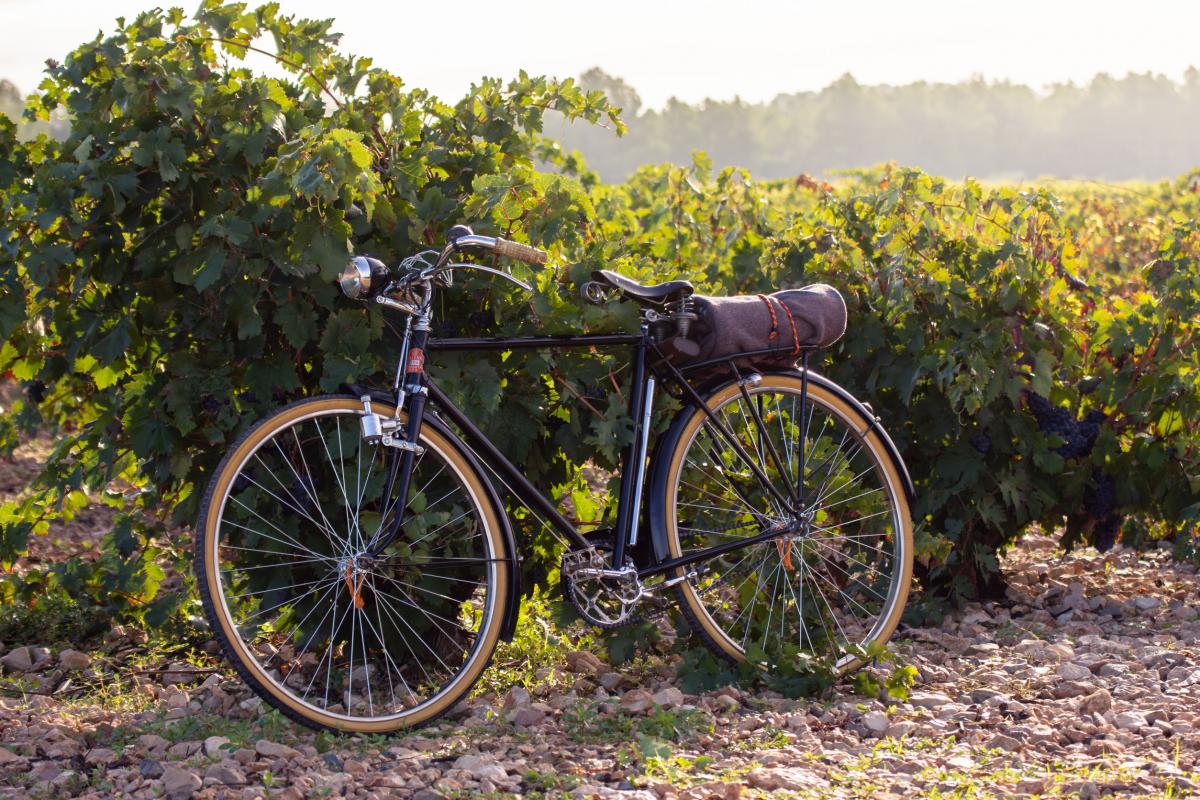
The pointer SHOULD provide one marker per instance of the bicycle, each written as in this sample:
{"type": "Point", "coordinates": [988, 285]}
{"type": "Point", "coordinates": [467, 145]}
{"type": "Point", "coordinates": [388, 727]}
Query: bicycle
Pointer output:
{"type": "Point", "coordinates": [775, 508]}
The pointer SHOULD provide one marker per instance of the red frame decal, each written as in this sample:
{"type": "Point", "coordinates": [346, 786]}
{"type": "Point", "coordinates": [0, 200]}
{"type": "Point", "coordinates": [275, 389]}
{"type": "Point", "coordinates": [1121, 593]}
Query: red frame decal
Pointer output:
{"type": "Point", "coordinates": [416, 360]}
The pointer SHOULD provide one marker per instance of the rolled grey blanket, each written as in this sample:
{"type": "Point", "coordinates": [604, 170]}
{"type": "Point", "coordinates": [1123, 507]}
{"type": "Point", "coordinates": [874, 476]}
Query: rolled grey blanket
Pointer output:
{"type": "Point", "coordinates": [813, 316]}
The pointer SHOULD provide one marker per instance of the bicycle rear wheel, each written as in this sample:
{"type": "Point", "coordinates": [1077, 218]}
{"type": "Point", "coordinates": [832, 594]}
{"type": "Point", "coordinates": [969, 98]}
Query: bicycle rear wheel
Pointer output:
{"type": "Point", "coordinates": [320, 628]}
{"type": "Point", "coordinates": [834, 582]}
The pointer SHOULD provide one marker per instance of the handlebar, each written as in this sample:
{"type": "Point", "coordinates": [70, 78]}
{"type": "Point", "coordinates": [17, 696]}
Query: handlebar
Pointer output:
{"type": "Point", "coordinates": [521, 252]}
{"type": "Point", "coordinates": [366, 277]}
{"type": "Point", "coordinates": [503, 247]}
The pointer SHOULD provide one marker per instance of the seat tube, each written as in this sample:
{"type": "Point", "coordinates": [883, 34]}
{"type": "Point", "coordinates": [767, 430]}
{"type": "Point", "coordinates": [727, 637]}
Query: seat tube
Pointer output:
{"type": "Point", "coordinates": [633, 457]}
{"type": "Point", "coordinates": [643, 441]}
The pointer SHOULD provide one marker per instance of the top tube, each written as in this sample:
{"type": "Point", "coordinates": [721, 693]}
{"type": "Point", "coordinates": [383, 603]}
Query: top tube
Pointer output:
{"type": "Point", "coordinates": [533, 342]}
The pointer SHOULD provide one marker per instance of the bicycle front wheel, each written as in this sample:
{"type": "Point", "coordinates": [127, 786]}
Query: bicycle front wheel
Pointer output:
{"type": "Point", "coordinates": [835, 580]}
{"type": "Point", "coordinates": [330, 632]}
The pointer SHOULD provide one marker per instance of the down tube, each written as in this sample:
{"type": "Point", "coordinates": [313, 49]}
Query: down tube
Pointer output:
{"type": "Point", "coordinates": [488, 453]}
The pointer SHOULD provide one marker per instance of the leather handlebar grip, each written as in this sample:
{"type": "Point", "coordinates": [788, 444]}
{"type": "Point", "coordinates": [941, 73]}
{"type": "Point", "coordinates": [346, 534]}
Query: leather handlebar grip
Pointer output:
{"type": "Point", "coordinates": [521, 252]}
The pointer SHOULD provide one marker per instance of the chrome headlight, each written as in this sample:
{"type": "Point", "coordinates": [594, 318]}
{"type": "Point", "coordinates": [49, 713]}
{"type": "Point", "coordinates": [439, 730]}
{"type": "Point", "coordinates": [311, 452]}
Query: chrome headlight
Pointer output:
{"type": "Point", "coordinates": [356, 278]}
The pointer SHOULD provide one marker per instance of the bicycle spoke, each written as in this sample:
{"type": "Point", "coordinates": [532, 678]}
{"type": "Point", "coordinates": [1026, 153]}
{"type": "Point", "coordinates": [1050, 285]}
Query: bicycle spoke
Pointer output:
{"type": "Point", "coordinates": [799, 603]}
{"type": "Point", "coordinates": [779, 570]}
{"type": "Point", "coordinates": [404, 601]}
{"type": "Point", "coordinates": [397, 616]}
{"type": "Point", "coordinates": [825, 529]}
{"type": "Point", "coordinates": [311, 486]}
{"type": "Point", "coordinates": [277, 606]}
{"type": "Point", "coordinates": [275, 527]}
{"type": "Point", "coordinates": [439, 528]}
{"type": "Point", "coordinates": [838, 552]}
{"type": "Point", "coordinates": [828, 560]}
{"type": "Point", "coordinates": [277, 564]}
{"type": "Point", "coordinates": [339, 482]}
{"type": "Point", "coordinates": [296, 503]}
{"type": "Point", "coordinates": [388, 661]}
{"type": "Point", "coordinates": [858, 496]}
{"type": "Point", "coordinates": [276, 589]}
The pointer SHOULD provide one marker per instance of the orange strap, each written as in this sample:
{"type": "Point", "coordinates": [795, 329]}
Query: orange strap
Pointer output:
{"type": "Point", "coordinates": [775, 321]}
{"type": "Point", "coordinates": [795, 332]}
{"type": "Point", "coordinates": [784, 547]}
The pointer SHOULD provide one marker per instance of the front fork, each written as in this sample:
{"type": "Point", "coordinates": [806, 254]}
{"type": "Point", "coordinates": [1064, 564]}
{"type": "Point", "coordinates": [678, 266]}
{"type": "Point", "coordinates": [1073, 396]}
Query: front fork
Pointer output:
{"type": "Point", "coordinates": [411, 394]}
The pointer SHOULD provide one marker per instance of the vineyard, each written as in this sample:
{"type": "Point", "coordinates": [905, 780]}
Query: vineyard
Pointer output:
{"type": "Point", "coordinates": [168, 278]}
{"type": "Point", "coordinates": [168, 270]}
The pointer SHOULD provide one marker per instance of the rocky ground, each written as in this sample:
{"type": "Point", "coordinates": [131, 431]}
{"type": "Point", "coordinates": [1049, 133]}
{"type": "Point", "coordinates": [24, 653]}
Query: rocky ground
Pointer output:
{"type": "Point", "coordinates": [78, 537]}
{"type": "Point", "coordinates": [1085, 683]}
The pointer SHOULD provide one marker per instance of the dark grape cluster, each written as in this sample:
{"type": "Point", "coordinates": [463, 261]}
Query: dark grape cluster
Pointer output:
{"type": "Point", "coordinates": [35, 391]}
{"type": "Point", "coordinates": [1078, 435]}
{"type": "Point", "coordinates": [243, 481]}
{"type": "Point", "coordinates": [1086, 432]}
{"type": "Point", "coordinates": [304, 496]}
{"type": "Point", "coordinates": [1100, 497]}
{"type": "Point", "coordinates": [981, 442]}
{"type": "Point", "coordinates": [595, 392]}
{"type": "Point", "coordinates": [1104, 535]}
{"type": "Point", "coordinates": [1100, 503]}
{"type": "Point", "coordinates": [482, 320]}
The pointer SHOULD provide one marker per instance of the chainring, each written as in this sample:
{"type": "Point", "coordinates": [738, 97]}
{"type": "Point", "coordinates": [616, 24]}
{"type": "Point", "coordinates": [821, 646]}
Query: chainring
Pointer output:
{"type": "Point", "coordinates": [605, 602]}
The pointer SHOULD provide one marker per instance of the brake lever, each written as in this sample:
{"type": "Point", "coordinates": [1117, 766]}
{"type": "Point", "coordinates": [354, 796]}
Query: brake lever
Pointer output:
{"type": "Point", "coordinates": [491, 270]}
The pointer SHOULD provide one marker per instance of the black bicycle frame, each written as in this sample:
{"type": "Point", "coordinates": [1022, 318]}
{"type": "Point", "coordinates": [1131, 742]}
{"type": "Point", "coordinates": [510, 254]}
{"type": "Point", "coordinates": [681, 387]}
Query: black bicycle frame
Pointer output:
{"type": "Point", "coordinates": [526, 492]}
{"type": "Point", "coordinates": [419, 389]}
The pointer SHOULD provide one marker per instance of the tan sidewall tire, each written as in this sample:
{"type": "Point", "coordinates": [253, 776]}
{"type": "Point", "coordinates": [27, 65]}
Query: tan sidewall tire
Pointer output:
{"type": "Point", "coordinates": [851, 417]}
{"type": "Point", "coordinates": [249, 667]}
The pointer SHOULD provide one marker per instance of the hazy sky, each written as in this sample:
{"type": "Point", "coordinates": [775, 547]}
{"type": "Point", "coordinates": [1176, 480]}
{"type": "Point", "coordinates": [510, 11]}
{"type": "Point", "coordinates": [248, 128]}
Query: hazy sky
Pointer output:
{"type": "Point", "coordinates": [692, 50]}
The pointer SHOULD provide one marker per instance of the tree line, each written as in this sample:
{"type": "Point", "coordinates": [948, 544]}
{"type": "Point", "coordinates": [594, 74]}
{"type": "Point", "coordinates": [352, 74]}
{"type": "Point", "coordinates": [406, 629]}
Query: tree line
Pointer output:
{"type": "Point", "coordinates": [1139, 126]}
{"type": "Point", "coordinates": [11, 106]}
{"type": "Point", "coordinates": [1142, 126]}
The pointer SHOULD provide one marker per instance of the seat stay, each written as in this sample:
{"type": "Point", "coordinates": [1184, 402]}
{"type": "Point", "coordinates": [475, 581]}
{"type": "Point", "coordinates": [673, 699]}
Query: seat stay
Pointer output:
{"type": "Point", "coordinates": [670, 371]}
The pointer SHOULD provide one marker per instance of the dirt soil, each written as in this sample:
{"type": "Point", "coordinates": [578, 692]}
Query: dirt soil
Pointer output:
{"type": "Point", "coordinates": [1084, 683]}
